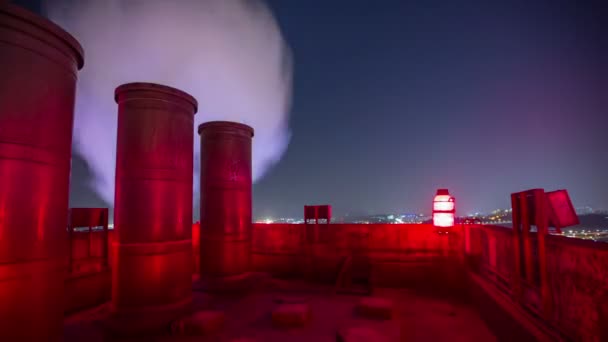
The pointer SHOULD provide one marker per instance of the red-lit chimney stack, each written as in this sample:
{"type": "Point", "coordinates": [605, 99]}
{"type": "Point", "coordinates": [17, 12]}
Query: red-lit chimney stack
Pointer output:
{"type": "Point", "coordinates": [226, 184]}
{"type": "Point", "coordinates": [39, 63]}
{"type": "Point", "coordinates": [152, 268]}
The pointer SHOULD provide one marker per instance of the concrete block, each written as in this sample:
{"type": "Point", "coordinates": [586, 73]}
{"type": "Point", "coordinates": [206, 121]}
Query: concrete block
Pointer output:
{"type": "Point", "coordinates": [199, 323]}
{"type": "Point", "coordinates": [291, 315]}
{"type": "Point", "coordinates": [287, 299]}
{"type": "Point", "coordinates": [374, 307]}
{"type": "Point", "coordinates": [360, 334]}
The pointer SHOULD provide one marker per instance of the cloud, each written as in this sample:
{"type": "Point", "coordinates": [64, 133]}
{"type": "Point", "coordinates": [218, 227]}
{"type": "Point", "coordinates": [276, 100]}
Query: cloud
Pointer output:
{"type": "Point", "coordinates": [229, 54]}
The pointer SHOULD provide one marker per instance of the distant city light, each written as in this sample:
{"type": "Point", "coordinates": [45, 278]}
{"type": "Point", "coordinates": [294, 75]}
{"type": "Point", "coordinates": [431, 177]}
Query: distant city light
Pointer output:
{"type": "Point", "coordinates": [497, 217]}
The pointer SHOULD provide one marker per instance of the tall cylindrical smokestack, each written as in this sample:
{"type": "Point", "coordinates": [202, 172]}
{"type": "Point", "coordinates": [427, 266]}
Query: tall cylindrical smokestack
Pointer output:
{"type": "Point", "coordinates": [225, 198]}
{"type": "Point", "coordinates": [151, 278]}
{"type": "Point", "coordinates": [38, 69]}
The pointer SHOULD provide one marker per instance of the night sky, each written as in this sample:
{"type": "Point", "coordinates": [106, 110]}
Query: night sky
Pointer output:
{"type": "Point", "coordinates": [395, 99]}
{"type": "Point", "coordinates": [485, 98]}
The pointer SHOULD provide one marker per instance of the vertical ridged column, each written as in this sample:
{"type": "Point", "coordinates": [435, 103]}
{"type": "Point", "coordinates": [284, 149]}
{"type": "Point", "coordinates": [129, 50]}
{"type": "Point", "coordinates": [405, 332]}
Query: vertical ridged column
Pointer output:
{"type": "Point", "coordinates": [39, 63]}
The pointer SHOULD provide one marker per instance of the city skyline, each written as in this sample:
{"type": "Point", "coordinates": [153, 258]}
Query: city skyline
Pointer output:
{"type": "Point", "coordinates": [417, 217]}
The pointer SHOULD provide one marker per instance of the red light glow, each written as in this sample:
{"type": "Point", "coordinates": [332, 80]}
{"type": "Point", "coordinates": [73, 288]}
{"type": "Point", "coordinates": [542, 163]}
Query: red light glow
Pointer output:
{"type": "Point", "coordinates": [443, 219]}
{"type": "Point", "coordinates": [444, 209]}
{"type": "Point", "coordinates": [443, 206]}
{"type": "Point", "coordinates": [443, 198]}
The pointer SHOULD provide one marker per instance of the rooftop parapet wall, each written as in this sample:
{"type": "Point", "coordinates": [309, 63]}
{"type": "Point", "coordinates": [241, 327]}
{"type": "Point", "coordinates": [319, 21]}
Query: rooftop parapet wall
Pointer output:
{"type": "Point", "coordinates": [378, 240]}
{"type": "Point", "coordinates": [578, 272]}
{"type": "Point", "coordinates": [578, 269]}
{"type": "Point", "coordinates": [578, 279]}
{"type": "Point", "coordinates": [286, 250]}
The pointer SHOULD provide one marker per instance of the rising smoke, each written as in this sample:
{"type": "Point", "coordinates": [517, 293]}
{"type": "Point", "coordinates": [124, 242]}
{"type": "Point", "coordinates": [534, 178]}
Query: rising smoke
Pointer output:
{"type": "Point", "coordinates": [229, 54]}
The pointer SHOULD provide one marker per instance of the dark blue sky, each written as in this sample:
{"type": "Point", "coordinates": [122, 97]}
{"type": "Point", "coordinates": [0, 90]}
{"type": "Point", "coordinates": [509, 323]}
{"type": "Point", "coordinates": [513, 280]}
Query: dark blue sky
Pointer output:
{"type": "Point", "coordinates": [393, 99]}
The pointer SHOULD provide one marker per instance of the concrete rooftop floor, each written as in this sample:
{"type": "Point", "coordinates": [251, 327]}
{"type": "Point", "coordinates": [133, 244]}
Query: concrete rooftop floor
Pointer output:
{"type": "Point", "coordinates": [417, 317]}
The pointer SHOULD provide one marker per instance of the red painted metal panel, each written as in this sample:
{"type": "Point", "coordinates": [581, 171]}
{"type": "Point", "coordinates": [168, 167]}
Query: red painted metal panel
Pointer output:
{"type": "Point", "coordinates": [324, 212]}
{"type": "Point", "coordinates": [317, 212]}
{"type": "Point", "coordinates": [310, 213]}
{"type": "Point", "coordinates": [561, 211]}
{"type": "Point", "coordinates": [88, 249]}
{"type": "Point", "coordinates": [38, 70]}
{"type": "Point", "coordinates": [152, 268]}
{"type": "Point", "coordinates": [225, 207]}
{"type": "Point", "coordinates": [196, 247]}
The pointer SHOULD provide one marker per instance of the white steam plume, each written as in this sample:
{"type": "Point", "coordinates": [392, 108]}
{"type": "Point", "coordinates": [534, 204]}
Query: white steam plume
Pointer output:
{"type": "Point", "coordinates": [229, 54]}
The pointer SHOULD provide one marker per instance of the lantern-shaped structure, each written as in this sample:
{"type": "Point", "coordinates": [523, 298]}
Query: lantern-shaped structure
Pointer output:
{"type": "Point", "coordinates": [444, 209]}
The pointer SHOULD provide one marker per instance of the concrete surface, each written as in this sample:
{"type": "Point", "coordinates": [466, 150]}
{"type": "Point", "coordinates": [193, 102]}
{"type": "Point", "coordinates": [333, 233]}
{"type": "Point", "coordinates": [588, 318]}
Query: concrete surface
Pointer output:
{"type": "Point", "coordinates": [375, 307]}
{"type": "Point", "coordinates": [249, 317]}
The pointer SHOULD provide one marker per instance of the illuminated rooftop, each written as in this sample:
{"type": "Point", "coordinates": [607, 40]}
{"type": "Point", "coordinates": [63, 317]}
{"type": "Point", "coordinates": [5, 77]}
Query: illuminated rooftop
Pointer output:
{"type": "Point", "coordinates": [418, 316]}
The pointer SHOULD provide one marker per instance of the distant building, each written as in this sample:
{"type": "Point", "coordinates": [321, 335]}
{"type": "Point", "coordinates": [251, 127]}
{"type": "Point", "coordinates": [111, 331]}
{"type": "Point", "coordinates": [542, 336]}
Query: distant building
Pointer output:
{"type": "Point", "coordinates": [584, 210]}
